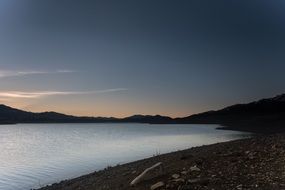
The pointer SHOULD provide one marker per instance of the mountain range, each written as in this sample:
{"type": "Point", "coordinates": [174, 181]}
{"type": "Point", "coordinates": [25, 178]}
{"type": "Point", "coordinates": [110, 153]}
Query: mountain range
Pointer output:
{"type": "Point", "coordinates": [266, 115]}
{"type": "Point", "coordinates": [12, 115]}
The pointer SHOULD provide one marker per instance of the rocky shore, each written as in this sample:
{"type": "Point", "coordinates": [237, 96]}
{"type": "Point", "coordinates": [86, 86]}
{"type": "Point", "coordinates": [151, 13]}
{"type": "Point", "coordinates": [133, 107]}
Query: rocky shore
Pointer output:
{"type": "Point", "coordinates": [254, 163]}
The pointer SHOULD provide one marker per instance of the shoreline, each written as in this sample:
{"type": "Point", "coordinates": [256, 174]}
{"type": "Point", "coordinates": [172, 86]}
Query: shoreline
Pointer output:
{"type": "Point", "coordinates": [241, 128]}
{"type": "Point", "coordinates": [251, 163]}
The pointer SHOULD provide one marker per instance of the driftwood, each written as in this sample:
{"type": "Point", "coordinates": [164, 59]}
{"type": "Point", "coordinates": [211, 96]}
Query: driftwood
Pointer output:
{"type": "Point", "coordinates": [145, 172]}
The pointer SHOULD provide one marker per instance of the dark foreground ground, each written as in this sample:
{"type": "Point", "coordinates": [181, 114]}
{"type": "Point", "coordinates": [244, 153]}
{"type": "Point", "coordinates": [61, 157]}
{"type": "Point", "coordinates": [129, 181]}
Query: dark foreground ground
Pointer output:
{"type": "Point", "coordinates": [255, 163]}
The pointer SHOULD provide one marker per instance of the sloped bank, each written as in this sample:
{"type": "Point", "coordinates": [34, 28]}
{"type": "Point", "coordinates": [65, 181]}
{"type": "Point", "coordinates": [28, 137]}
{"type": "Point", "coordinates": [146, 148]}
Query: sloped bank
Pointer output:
{"type": "Point", "coordinates": [254, 163]}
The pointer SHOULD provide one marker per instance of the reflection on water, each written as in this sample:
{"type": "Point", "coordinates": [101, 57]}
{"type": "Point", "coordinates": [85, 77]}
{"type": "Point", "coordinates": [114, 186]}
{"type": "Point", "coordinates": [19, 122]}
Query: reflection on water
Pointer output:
{"type": "Point", "coordinates": [33, 155]}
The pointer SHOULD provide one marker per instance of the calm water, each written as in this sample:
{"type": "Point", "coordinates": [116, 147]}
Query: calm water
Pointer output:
{"type": "Point", "coordinates": [33, 155]}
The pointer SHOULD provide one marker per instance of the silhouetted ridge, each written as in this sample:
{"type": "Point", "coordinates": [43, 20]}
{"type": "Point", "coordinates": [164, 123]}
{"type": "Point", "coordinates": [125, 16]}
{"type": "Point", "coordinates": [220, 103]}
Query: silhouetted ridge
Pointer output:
{"type": "Point", "coordinates": [148, 119]}
{"type": "Point", "coordinates": [12, 115]}
{"type": "Point", "coordinates": [265, 114]}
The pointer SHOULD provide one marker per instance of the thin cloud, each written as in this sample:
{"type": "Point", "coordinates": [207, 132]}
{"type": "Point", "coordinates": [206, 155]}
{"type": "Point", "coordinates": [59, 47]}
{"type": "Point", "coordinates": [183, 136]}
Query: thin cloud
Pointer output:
{"type": "Point", "coordinates": [41, 94]}
{"type": "Point", "coordinates": [7, 73]}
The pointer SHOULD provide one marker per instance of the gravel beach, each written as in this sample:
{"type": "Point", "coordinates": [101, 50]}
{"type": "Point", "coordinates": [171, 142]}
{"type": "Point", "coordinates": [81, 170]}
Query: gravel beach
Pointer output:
{"type": "Point", "coordinates": [253, 163]}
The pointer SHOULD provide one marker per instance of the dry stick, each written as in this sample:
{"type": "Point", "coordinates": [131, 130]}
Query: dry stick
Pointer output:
{"type": "Point", "coordinates": [142, 175]}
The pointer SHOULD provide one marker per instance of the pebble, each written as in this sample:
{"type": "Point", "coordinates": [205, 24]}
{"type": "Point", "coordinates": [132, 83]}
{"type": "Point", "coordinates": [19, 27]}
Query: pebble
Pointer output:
{"type": "Point", "coordinates": [195, 168]}
{"type": "Point", "coordinates": [202, 181]}
{"type": "Point", "coordinates": [178, 180]}
{"type": "Point", "coordinates": [239, 187]}
{"type": "Point", "coordinates": [157, 185]}
{"type": "Point", "coordinates": [175, 176]}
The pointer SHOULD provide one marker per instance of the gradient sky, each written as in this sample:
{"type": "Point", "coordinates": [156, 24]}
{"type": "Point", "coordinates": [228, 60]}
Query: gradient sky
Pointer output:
{"type": "Point", "coordinates": [118, 57]}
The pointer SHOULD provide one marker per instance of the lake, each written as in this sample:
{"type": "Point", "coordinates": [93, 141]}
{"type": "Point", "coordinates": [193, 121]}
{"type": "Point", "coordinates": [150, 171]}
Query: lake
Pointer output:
{"type": "Point", "coordinates": [33, 155]}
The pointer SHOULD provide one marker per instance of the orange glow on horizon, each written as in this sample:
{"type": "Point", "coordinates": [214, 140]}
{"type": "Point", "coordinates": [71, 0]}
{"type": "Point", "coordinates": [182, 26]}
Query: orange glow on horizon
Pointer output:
{"type": "Point", "coordinates": [99, 111]}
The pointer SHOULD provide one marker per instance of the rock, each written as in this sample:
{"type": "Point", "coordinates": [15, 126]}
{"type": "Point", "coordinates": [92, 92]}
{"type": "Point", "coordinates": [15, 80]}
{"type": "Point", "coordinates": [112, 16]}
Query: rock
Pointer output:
{"type": "Point", "coordinates": [193, 180]}
{"type": "Point", "coordinates": [125, 174]}
{"type": "Point", "coordinates": [251, 156]}
{"type": "Point", "coordinates": [185, 187]}
{"type": "Point", "coordinates": [195, 168]}
{"type": "Point", "coordinates": [239, 187]}
{"type": "Point", "coordinates": [175, 176]}
{"type": "Point", "coordinates": [200, 181]}
{"type": "Point", "coordinates": [199, 161]}
{"type": "Point", "coordinates": [178, 180]}
{"type": "Point", "coordinates": [184, 172]}
{"type": "Point", "coordinates": [157, 185]}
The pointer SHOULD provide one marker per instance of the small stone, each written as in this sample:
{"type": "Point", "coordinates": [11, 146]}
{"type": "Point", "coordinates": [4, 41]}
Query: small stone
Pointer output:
{"type": "Point", "coordinates": [178, 180]}
{"type": "Point", "coordinates": [175, 176]}
{"type": "Point", "coordinates": [125, 174]}
{"type": "Point", "coordinates": [199, 162]}
{"type": "Point", "coordinates": [201, 181]}
{"type": "Point", "coordinates": [184, 172]}
{"type": "Point", "coordinates": [193, 180]}
{"type": "Point", "coordinates": [239, 187]}
{"type": "Point", "coordinates": [186, 187]}
{"type": "Point", "coordinates": [157, 185]}
{"type": "Point", "coordinates": [195, 168]}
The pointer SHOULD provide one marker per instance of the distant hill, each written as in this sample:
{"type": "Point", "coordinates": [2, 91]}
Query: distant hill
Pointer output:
{"type": "Point", "coordinates": [148, 119]}
{"type": "Point", "coordinates": [12, 115]}
{"type": "Point", "coordinates": [266, 115]}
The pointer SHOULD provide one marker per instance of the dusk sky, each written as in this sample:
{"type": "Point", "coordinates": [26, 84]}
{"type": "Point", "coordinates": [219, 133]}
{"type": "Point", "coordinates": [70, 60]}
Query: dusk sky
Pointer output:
{"type": "Point", "coordinates": [118, 57]}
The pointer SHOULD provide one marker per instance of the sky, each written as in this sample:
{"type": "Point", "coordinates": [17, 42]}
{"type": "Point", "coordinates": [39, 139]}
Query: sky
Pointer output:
{"type": "Point", "coordinates": [119, 58]}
